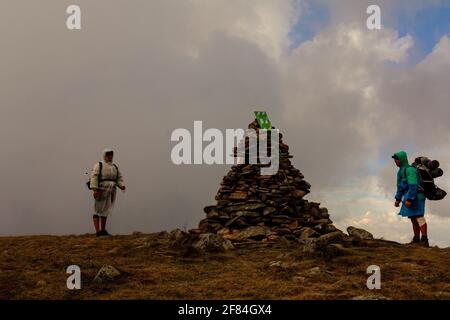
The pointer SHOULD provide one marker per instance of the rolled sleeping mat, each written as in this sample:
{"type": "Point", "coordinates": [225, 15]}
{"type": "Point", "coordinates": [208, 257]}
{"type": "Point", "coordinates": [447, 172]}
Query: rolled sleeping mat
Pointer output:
{"type": "Point", "coordinates": [436, 173]}
{"type": "Point", "coordinates": [422, 160]}
{"type": "Point", "coordinates": [418, 160]}
{"type": "Point", "coordinates": [433, 164]}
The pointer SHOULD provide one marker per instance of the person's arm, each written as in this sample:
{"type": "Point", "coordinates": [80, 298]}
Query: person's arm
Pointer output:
{"type": "Point", "coordinates": [399, 194]}
{"type": "Point", "coordinates": [400, 189]}
{"type": "Point", "coordinates": [120, 182]}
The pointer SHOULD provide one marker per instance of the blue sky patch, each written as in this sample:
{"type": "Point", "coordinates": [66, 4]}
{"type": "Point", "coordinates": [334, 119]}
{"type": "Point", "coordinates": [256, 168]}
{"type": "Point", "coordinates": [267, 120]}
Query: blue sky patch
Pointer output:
{"type": "Point", "coordinates": [313, 17]}
{"type": "Point", "coordinates": [427, 26]}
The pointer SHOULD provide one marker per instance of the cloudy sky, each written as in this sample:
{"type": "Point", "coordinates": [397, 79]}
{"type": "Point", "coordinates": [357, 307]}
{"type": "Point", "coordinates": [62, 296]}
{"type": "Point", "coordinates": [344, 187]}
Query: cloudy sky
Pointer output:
{"type": "Point", "coordinates": [344, 97]}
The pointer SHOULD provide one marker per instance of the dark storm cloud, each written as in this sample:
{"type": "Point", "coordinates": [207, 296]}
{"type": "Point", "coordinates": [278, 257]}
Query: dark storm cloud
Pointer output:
{"type": "Point", "coordinates": [135, 72]}
{"type": "Point", "coordinates": [125, 81]}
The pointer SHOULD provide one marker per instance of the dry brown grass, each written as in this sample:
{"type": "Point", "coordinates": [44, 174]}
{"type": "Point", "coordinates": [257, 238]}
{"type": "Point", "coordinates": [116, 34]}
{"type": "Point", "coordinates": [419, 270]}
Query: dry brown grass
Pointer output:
{"type": "Point", "coordinates": [35, 268]}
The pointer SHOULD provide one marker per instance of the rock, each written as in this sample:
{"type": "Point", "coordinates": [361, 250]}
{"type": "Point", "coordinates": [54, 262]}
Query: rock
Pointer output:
{"type": "Point", "coordinates": [324, 213]}
{"type": "Point", "coordinates": [211, 242]}
{"type": "Point", "coordinates": [293, 225]}
{"type": "Point", "coordinates": [310, 246]}
{"type": "Point", "coordinates": [328, 229]}
{"type": "Point", "coordinates": [106, 274]}
{"type": "Point", "coordinates": [322, 222]}
{"type": "Point", "coordinates": [212, 214]}
{"type": "Point", "coordinates": [282, 231]}
{"type": "Point", "coordinates": [224, 231]}
{"type": "Point", "coordinates": [247, 214]}
{"type": "Point", "coordinates": [314, 271]}
{"type": "Point", "coordinates": [269, 210]}
{"type": "Point", "coordinates": [329, 238]}
{"type": "Point", "coordinates": [195, 231]}
{"type": "Point", "coordinates": [282, 265]}
{"type": "Point", "coordinates": [241, 223]}
{"type": "Point", "coordinates": [273, 237]}
{"type": "Point", "coordinates": [177, 235]}
{"type": "Point", "coordinates": [299, 194]}
{"type": "Point", "coordinates": [298, 279]}
{"type": "Point", "coordinates": [142, 246]}
{"type": "Point", "coordinates": [307, 233]}
{"type": "Point", "coordinates": [233, 236]}
{"type": "Point", "coordinates": [41, 283]}
{"type": "Point", "coordinates": [275, 264]}
{"type": "Point", "coordinates": [255, 233]}
{"type": "Point", "coordinates": [207, 209]}
{"type": "Point", "coordinates": [232, 221]}
{"type": "Point", "coordinates": [179, 238]}
{"type": "Point", "coordinates": [290, 237]}
{"type": "Point", "coordinates": [114, 250]}
{"type": "Point", "coordinates": [359, 234]}
{"type": "Point", "coordinates": [245, 207]}
{"type": "Point", "coordinates": [238, 195]}
{"type": "Point", "coordinates": [227, 245]}
{"type": "Point", "coordinates": [281, 219]}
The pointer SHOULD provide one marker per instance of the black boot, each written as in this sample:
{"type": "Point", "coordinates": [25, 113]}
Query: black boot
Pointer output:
{"type": "Point", "coordinates": [102, 233]}
{"type": "Point", "coordinates": [424, 241]}
{"type": "Point", "coordinates": [415, 240]}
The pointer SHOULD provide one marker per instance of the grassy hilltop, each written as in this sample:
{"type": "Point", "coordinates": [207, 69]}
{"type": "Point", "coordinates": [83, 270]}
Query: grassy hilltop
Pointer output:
{"type": "Point", "coordinates": [34, 267]}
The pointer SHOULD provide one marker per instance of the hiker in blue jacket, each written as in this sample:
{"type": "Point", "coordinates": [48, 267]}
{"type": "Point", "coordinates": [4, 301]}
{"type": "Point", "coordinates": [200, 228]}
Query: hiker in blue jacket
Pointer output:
{"type": "Point", "coordinates": [409, 189]}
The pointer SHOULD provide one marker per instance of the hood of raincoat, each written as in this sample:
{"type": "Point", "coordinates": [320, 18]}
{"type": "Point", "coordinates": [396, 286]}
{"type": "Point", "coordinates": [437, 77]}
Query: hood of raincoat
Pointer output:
{"type": "Point", "coordinates": [105, 152]}
{"type": "Point", "coordinates": [403, 157]}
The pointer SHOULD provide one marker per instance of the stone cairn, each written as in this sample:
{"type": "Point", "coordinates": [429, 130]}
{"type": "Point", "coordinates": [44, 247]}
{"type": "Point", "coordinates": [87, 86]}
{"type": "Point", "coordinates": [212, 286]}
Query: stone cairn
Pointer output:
{"type": "Point", "coordinates": [251, 206]}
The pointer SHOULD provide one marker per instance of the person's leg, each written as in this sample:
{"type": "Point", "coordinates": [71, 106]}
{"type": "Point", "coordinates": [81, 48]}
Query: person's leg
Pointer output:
{"type": "Point", "coordinates": [96, 220]}
{"type": "Point", "coordinates": [416, 229]}
{"type": "Point", "coordinates": [423, 229]}
{"type": "Point", "coordinates": [103, 226]}
{"type": "Point", "coordinates": [103, 223]}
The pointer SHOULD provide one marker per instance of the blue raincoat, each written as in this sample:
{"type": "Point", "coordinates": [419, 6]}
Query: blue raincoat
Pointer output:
{"type": "Point", "coordinates": [408, 188]}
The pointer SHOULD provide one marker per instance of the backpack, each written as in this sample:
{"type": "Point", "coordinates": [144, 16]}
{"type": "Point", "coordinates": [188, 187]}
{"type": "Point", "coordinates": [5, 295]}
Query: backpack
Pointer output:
{"type": "Point", "coordinates": [427, 171]}
{"type": "Point", "coordinates": [99, 177]}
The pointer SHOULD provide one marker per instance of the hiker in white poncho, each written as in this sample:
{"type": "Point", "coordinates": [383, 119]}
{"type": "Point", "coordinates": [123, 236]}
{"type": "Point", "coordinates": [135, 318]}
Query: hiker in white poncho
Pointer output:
{"type": "Point", "coordinates": [105, 177]}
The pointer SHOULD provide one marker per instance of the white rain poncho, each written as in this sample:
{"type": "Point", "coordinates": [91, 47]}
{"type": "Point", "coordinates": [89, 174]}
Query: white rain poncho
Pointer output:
{"type": "Point", "coordinates": [111, 177]}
